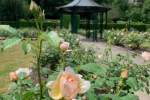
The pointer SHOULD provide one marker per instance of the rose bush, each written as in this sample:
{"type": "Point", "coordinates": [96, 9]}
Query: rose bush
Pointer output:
{"type": "Point", "coordinates": [116, 78]}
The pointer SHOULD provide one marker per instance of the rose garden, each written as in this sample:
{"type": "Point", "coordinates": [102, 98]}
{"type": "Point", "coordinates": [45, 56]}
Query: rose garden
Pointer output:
{"type": "Point", "coordinates": [50, 63]}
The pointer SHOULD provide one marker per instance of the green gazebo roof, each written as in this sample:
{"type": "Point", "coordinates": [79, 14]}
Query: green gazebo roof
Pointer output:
{"type": "Point", "coordinates": [83, 6]}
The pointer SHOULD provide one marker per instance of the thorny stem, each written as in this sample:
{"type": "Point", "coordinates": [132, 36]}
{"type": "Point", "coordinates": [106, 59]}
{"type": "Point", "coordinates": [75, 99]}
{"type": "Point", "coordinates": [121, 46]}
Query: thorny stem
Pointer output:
{"type": "Point", "coordinates": [38, 65]}
{"type": "Point", "coordinates": [38, 59]}
{"type": "Point", "coordinates": [110, 51]}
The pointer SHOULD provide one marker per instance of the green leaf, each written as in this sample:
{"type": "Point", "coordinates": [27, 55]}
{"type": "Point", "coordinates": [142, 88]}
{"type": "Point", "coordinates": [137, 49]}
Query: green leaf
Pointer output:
{"type": "Point", "coordinates": [8, 28]}
{"type": "Point", "coordinates": [27, 81]}
{"type": "Point", "coordinates": [126, 98]}
{"type": "Point", "coordinates": [132, 83]}
{"type": "Point", "coordinates": [99, 81]}
{"type": "Point", "coordinates": [147, 90]}
{"type": "Point", "coordinates": [45, 70]}
{"type": "Point", "coordinates": [114, 78]}
{"type": "Point", "coordinates": [9, 42]}
{"type": "Point", "coordinates": [112, 96]}
{"type": "Point", "coordinates": [13, 86]}
{"type": "Point", "coordinates": [52, 38]}
{"type": "Point", "coordinates": [110, 83]}
{"type": "Point", "coordinates": [91, 95]}
{"type": "Point", "coordinates": [28, 95]}
{"type": "Point", "coordinates": [53, 77]}
{"type": "Point", "coordinates": [147, 81]}
{"type": "Point", "coordinates": [134, 55]}
{"type": "Point", "coordinates": [93, 68]}
{"type": "Point", "coordinates": [26, 47]}
{"type": "Point", "coordinates": [21, 75]}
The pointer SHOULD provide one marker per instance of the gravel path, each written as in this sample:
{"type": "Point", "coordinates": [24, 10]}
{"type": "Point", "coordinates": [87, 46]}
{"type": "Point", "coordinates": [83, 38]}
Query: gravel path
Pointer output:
{"type": "Point", "coordinates": [115, 50]}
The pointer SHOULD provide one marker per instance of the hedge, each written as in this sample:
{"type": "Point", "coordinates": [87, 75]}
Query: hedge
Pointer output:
{"type": "Point", "coordinates": [142, 27]}
{"type": "Point", "coordinates": [67, 19]}
{"type": "Point", "coordinates": [29, 24]}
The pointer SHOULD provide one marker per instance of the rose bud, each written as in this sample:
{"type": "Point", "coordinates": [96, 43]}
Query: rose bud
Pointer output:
{"type": "Point", "coordinates": [64, 46]}
{"type": "Point", "coordinates": [33, 7]}
{"type": "Point", "coordinates": [61, 40]}
{"type": "Point", "coordinates": [95, 76]}
{"type": "Point", "coordinates": [84, 97]}
{"type": "Point", "coordinates": [124, 74]}
{"type": "Point", "coordinates": [131, 65]}
{"type": "Point", "coordinates": [109, 31]}
{"type": "Point", "coordinates": [13, 76]}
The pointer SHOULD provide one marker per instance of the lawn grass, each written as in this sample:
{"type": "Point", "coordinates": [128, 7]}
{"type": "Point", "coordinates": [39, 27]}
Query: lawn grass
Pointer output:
{"type": "Point", "coordinates": [10, 60]}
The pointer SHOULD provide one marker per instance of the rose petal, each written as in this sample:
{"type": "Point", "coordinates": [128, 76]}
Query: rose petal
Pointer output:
{"type": "Point", "coordinates": [49, 84]}
{"type": "Point", "coordinates": [69, 70]}
{"type": "Point", "coordinates": [80, 77]}
{"type": "Point", "coordinates": [85, 86]}
{"type": "Point", "coordinates": [55, 91]}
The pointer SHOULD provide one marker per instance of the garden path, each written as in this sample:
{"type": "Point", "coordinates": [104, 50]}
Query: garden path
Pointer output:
{"type": "Point", "coordinates": [115, 50]}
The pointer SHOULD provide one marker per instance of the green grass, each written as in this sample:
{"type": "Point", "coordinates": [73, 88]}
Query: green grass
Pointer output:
{"type": "Point", "coordinates": [10, 60]}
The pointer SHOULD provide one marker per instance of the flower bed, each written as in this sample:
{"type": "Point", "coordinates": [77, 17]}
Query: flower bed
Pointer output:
{"type": "Point", "coordinates": [72, 71]}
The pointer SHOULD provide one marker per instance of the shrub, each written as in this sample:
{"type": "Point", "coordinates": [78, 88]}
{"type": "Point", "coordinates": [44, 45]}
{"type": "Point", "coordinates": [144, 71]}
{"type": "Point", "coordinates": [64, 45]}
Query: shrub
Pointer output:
{"type": "Point", "coordinates": [67, 20]}
{"type": "Point", "coordinates": [28, 24]}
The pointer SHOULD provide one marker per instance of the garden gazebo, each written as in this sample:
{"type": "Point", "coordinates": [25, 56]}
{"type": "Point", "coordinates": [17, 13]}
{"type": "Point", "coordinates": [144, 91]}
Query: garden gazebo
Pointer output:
{"type": "Point", "coordinates": [88, 7]}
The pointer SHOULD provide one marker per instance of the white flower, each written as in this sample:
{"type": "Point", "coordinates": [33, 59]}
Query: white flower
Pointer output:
{"type": "Point", "coordinates": [146, 55]}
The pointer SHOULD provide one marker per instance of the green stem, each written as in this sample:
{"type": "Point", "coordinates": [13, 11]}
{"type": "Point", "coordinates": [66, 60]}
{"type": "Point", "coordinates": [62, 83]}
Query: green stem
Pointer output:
{"type": "Point", "coordinates": [38, 59]}
{"type": "Point", "coordinates": [110, 52]}
{"type": "Point", "coordinates": [119, 92]}
{"type": "Point", "coordinates": [37, 25]}
{"type": "Point", "coordinates": [38, 64]}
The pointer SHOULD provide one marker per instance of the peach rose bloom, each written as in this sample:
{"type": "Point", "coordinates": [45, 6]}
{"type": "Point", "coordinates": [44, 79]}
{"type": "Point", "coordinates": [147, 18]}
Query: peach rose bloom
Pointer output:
{"type": "Point", "coordinates": [64, 46]}
{"type": "Point", "coordinates": [124, 74]}
{"type": "Point", "coordinates": [13, 76]}
{"type": "Point", "coordinates": [26, 70]}
{"type": "Point", "coordinates": [67, 85]}
{"type": "Point", "coordinates": [61, 40]}
{"type": "Point", "coordinates": [146, 55]}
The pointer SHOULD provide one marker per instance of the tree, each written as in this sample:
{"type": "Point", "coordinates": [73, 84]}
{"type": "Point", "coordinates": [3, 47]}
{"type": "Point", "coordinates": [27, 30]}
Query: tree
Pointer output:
{"type": "Point", "coordinates": [146, 10]}
{"type": "Point", "coordinates": [122, 5]}
{"type": "Point", "coordinates": [9, 9]}
{"type": "Point", "coordinates": [135, 14]}
{"type": "Point", "coordinates": [113, 14]}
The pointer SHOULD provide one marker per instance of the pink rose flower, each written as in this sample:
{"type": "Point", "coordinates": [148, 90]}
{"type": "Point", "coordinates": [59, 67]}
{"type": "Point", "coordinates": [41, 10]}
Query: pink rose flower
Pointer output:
{"type": "Point", "coordinates": [124, 74]}
{"type": "Point", "coordinates": [64, 46]}
{"type": "Point", "coordinates": [146, 56]}
{"type": "Point", "coordinates": [26, 70]}
{"type": "Point", "coordinates": [13, 76]}
{"type": "Point", "coordinates": [67, 85]}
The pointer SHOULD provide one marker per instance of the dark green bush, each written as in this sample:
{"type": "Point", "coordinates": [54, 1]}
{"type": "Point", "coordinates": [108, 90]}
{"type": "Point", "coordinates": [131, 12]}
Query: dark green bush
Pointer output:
{"type": "Point", "coordinates": [139, 27]}
{"type": "Point", "coordinates": [28, 24]}
{"type": "Point", "coordinates": [67, 19]}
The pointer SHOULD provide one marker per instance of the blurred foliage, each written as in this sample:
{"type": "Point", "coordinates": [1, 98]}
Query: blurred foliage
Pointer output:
{"type": "Point", "coordinates": [11, 9]}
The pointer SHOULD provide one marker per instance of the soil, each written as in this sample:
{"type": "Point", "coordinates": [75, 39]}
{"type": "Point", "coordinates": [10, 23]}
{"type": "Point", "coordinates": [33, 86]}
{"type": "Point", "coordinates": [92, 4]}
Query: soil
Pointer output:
{"type": "Point", "coordinates": [34, 76]}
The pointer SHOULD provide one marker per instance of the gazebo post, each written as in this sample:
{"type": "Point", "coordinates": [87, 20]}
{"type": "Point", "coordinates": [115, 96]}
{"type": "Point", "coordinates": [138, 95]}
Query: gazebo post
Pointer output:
{"type": "Point", "coordinates": [74, 21]}
{"type": "Point", "coordinates": [101, 24]}
{"type": "Point", "coordinates": [87, 25]}
{"type": "Point", "coordinates": [95, 26]}
{"type": "Point", "coordinates": [106, 20]}
{"type": "Point", "coordinates": [61, 19]}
